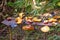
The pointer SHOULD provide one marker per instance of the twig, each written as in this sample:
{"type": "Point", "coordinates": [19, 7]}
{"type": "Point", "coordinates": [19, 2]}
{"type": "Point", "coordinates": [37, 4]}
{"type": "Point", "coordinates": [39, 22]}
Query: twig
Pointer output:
{"type": "Point", "coordinates": [10, 33]}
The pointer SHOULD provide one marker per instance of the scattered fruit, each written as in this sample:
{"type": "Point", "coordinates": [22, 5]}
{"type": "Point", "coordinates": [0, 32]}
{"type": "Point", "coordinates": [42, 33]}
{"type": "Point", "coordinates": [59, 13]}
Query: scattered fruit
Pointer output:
{"type": "Point", "coordinates": [45, 29]}
{"type": "Point", "coordinates": [56, 17]}
{"type": "Point", "coordinates": [29, 19]}
{"type": "Point", "coordinates": [28, 27]}
{"type": "Point", "coordinates": [21, 15]}
{"type": "Point", "coordinates": [19, 20]}
{"type": "Point", "coordinates": [35, 19]}
{"type": "Point", "coordinates": [52, 20]}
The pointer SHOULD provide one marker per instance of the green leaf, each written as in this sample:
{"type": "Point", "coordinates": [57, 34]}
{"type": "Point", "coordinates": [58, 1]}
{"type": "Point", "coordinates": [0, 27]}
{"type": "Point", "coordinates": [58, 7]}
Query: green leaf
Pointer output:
{"type": "Point", "coordinates": [10, 4]}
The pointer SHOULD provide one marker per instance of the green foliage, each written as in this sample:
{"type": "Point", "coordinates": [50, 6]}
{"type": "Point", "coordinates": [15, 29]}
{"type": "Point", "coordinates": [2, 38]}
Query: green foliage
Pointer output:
{"type": "Point", "coordinates": [54, 37]}
{"type": "Point", "coordinates": [27, 4]}
{"type": "Point", "coordinates": [50, 4]}
{"type": "Point", "coordinates": [29, 7]}
{"type": "Point", "coordinates": [10, 4]}
{"type": "Point", "coordinates": [18, 4]}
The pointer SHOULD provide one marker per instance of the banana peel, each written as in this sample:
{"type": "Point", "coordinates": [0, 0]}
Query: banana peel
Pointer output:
{"type": "Point", "coordinates": [56, 17]}
{"type": "Point", "coordinates": [53, 20]}
{"type": "Point", "coordinates": [35, 19]}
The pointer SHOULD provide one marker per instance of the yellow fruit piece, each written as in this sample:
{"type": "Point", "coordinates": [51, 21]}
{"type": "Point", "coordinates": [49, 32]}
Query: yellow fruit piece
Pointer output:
{"type": "Point", "coordinates": [45, 29]}
{"type": "Point", "coordinates": [56, 16]}
{"type": "Point", "coordinates": [19, 20]}
{"type": "Point", "coordinates": [28, 27]}
{"type": "Point", "coordinates": [36, 19]}
{"type": "Point", "coordinates": [21, 15]}
{"type": "Point", "coordinates": [53, 20]}
{"type": "Point", "coordinates": [28, 19]}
